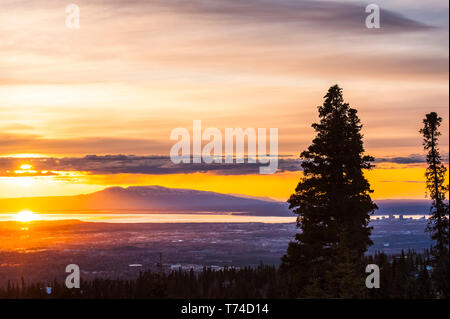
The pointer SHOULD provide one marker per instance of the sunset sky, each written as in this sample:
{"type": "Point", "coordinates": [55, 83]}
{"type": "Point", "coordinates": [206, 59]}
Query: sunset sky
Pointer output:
{"type": "Point", "coordinates": [136, 70]}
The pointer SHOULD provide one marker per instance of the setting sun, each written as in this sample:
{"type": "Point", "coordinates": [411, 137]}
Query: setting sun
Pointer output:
{"type": "Point", "coordinates": [25, 216]}
{"type": "Point", "coordinates": [25, 166]}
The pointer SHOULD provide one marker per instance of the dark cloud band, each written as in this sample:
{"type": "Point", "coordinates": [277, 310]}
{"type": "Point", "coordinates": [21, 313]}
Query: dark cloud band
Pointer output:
{"type": "Point", "coordinates": [160, 165]}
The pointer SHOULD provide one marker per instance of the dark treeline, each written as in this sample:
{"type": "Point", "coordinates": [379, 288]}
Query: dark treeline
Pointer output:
{"type": "Point", "coordinates": [404, 276]}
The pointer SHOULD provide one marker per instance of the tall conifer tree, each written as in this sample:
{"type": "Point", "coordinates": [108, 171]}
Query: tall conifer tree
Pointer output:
{"type": "Point", "coordinates": [438, 224]}
{"type": "Point", "coordinates": [333, 204]}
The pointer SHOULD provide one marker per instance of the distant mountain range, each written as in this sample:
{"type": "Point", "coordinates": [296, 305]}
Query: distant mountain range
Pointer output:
{"type": "Point", "coordinates": [403, 206]}
{"type": "Point", "coordinates": [150, 199]}
{"type": "Point", "coordinates": [159, 199]}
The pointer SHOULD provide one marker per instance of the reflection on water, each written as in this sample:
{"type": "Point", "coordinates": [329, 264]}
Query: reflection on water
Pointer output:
{"type": "Point", "coordinates": [154, 218]}
{"type": "Point", "coordinates": [200, 217]}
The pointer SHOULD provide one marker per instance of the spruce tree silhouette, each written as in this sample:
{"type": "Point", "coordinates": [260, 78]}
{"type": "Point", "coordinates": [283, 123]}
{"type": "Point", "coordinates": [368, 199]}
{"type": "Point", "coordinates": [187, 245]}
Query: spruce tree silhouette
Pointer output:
{"type": "Point", "coordinates": [438, 225]}
{"type": "Point", "coordinates": [333, 204]}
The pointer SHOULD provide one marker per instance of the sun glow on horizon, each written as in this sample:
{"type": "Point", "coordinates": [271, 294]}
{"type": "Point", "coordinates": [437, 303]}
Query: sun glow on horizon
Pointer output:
{"type": "Point", "coordinates": [25, 167]}
{"type": "Point", "coordinates": [26, 216]}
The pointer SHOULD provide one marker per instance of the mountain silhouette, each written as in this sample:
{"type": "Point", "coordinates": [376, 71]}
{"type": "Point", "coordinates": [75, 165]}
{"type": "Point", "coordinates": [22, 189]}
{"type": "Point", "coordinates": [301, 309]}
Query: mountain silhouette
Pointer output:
{"type": "Point", "coordinates": [158, 199]}
{"type": "Point", "coordinates": [149, 199]}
